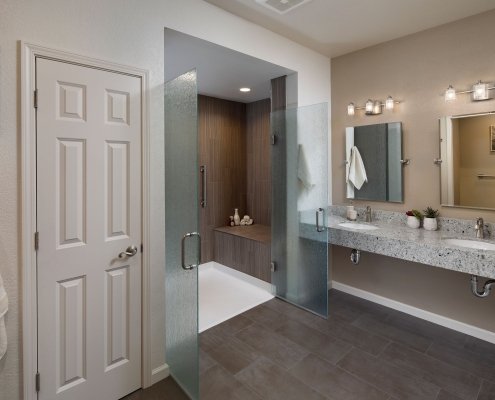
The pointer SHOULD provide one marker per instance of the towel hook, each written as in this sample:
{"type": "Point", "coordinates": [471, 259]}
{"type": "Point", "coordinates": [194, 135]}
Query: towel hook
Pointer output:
{"type": "Point", "coordinates": [405, 161]}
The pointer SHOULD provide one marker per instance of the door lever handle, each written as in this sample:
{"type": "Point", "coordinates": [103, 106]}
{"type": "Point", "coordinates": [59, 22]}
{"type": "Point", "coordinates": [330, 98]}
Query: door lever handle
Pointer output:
{"type": "Point", "coordinates": [129, 252]}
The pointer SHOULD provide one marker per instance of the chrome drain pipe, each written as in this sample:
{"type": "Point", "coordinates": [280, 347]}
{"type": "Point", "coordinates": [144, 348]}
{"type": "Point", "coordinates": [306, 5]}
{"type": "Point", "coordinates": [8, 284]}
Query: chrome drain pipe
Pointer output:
{"type": "Point", "coordinates": [355, 256]}
{"type": "Point", "coordinates": [487, 287]}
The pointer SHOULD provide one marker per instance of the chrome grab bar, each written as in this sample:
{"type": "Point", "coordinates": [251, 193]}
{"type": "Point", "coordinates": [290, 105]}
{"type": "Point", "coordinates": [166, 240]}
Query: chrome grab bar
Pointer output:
{"type": "Point", "coordinates": [318, 226]}
{"type": "Point", "coordinates": [204, 201]}
{"type": "Point", "coordinates": [183, 251]}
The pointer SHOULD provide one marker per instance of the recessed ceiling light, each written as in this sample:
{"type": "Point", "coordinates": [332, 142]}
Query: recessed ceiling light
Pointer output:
{"type": "Point", "coordinates": [245, 89]}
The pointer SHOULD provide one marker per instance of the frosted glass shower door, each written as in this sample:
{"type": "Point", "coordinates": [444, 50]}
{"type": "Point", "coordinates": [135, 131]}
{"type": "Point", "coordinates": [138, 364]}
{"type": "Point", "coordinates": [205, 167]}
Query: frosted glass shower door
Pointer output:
{"type": "Point", "coordinates": [299, 206]}
{"type": "Point", "coordinates": [182, 243]}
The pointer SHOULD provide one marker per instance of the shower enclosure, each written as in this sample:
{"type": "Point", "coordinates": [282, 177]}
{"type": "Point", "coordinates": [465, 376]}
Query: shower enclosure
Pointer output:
{"type": "Point", "coordinates": [182, 244]}
{"type": "Point", "coordinates": [299, 202]}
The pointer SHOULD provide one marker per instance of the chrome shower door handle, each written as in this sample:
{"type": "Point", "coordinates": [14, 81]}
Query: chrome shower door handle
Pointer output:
{"type": "Point", "coordinates": [183, 251]}
{"type": "Point", "coordinates": [204, 200]}
{"type": "Point", "coordinates": [129, 252]}
{"type": "Point", "coordinates": [319, 212]}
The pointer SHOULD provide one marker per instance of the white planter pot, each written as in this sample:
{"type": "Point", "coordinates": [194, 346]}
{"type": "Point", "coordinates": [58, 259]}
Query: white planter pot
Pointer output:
{"type": "Point", "coordinates": [413, 222]}
{"type": "Point", "coordinates": [430, 224]}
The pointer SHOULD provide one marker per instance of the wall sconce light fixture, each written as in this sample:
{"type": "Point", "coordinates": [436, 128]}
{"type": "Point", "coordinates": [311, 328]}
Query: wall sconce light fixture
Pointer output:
{"type": "Point", "coordinates": [480, 91]}
{"type": "Point", "coordinates": [373, 107]}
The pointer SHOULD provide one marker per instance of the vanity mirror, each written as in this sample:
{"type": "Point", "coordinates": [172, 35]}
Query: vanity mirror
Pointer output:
{"type": "Point", "coordinates": [374, 162]}
{"type": "Point", "coordinates": [467, 160]}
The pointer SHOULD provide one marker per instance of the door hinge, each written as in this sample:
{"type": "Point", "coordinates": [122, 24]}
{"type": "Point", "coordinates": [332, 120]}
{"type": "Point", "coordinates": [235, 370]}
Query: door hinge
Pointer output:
{"type": "Point", "coordinates": [37, 381]}
{"type": "Point", "coordinates": [35, 98]}
{"type": "Point", "coordinates": [274, 139]}
{"type": "Point", "coordinates": [36, 241]}
{"type": "Point", "coordinates": [273, 266]}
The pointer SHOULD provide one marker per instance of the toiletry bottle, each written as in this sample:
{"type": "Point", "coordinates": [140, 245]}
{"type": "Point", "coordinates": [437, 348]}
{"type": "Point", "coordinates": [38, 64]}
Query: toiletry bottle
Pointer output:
{"type": "Point", "coordinates": [237, 219]}
{"type": "Point", "coordinates": [350, 212]}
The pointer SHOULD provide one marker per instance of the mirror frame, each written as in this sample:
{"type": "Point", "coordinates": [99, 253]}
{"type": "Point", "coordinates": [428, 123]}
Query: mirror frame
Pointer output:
{"type": "Point", "coordinates": [349, 142]}
{"type": "Point", "coordinates": [445, 123]}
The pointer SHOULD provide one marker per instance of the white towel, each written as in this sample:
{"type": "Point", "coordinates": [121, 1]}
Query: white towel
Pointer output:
{"type": "Point", "coordinates": [303, 173]}
{"type": "Point", "coordinates": [356, 173]}
{"type": "Point", "coordinates": [4, 307]}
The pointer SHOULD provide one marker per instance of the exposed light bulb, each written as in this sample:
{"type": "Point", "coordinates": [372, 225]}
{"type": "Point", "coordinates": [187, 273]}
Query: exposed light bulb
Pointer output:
{"type": "Point", "coordinates": [389, 103]}
{"type": "Point", "coordinates": [351, 109]}
{"type": "Point", "coordinates": [450, 94]}
{"type": "Point", "coordinates": [245, 89]}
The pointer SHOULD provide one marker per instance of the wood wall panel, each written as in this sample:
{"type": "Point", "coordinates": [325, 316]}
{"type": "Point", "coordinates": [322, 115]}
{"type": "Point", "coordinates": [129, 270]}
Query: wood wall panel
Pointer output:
{"type": "Point", "coordinates": [279, 93]}
{"type": "Point", "coordinates": [259, 183]}
{"type": "Point", "coordinates": [234, 144]}
{"type": "Point", "coordinates": [222, 148]}
{"type": "Point", "coordinates": [243, 254]}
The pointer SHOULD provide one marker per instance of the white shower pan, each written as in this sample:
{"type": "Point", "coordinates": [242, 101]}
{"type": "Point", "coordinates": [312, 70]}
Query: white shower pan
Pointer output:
{"type": "Point", "coordinates": [225, 292]}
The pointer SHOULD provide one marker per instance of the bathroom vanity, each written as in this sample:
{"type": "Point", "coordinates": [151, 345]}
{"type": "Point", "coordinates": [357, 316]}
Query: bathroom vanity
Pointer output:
{"type": "Point", "coordinates": [389, 235]}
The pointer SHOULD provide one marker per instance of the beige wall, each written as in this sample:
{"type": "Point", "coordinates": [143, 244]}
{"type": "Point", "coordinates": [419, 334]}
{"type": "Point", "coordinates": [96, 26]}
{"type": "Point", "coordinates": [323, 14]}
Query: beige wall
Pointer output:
{"type": "Point", "coordinates": [415, 69]}
{"type": "Point", "coordinates": [434, 289]}
{"type": "Point", "coordinates": [128, 32]}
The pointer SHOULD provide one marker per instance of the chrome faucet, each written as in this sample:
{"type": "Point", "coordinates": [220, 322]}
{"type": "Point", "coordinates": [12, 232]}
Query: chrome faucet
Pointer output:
{"type": "Point", "coordinates": [480, 234]}
{"type": "Point", "coordinates": [368, 214]}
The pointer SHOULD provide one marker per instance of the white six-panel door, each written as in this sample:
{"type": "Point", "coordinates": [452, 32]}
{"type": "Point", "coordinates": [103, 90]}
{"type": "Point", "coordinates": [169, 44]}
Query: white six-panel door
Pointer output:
{"type": "Point", "coordinates": [88, 212]}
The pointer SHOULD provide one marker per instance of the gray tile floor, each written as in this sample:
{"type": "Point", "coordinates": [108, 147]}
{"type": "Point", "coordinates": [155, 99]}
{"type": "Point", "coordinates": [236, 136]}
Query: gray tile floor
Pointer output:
{"type": "Point", "coordinates": [364, 351]}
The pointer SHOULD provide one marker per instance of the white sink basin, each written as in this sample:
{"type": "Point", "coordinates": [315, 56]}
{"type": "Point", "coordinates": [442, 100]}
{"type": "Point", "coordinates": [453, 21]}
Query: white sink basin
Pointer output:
{"type": "Point", "coordinates": [356, 225]}
{"type": "Point", "coordinates": [472, 244]}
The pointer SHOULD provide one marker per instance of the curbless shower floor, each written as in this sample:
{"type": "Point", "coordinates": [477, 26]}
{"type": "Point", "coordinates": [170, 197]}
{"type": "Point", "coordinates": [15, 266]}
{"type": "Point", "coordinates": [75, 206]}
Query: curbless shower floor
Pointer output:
{"type": "Point", "coordinates": [225, 293]}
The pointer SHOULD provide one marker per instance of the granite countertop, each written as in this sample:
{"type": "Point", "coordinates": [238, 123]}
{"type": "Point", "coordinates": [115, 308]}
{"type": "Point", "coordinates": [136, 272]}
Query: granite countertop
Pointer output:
{"type": "Point", "coordinates": [394, 238]}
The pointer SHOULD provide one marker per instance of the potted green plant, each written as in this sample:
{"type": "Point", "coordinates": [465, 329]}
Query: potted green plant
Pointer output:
{"type": "Point", "coordinates": [414, 218]}
{"type": "Point", "coordinates": [430, 219]}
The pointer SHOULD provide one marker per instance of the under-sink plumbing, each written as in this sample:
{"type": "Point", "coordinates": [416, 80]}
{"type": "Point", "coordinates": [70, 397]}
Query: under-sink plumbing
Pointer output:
{"type": "Point", "coordinates": [487, 287]}
{"type": "Point", "coordinates": [355, 256]}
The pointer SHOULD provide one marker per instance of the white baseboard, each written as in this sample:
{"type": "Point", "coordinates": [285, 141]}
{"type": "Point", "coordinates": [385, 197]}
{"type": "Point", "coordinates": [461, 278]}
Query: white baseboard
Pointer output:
{"type": "Point", "coordinates": [462, 327]}
{"type": "Point", "coordinates": [159, 373]}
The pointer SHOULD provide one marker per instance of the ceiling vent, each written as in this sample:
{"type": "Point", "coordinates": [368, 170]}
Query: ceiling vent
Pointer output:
{"type": "Point", "coordinates": [282, 6]}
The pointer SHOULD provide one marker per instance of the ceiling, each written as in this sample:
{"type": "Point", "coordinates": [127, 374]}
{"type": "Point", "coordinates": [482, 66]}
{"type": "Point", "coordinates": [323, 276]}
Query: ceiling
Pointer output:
{"type": "Point", "coordinates": [221, 71]}
{"type": "Point", "coordinates": [336, 27]}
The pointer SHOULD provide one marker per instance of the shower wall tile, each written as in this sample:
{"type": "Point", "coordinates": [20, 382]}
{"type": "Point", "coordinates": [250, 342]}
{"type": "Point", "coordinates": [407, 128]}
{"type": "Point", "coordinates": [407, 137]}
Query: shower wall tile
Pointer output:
{"type": "Point", "coordinates": [234, 144]}
{"type": "Point", "coordinates": [246, 255]}
{"type": "Point", "coordinates": [258, 161]}
{"type": "Point", "coordinates": [222, 148]}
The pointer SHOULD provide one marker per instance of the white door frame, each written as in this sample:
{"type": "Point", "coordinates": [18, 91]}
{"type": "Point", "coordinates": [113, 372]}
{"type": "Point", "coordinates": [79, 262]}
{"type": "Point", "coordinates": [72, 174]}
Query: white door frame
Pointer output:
{"type": "Point", "coordinates": [29, 52]}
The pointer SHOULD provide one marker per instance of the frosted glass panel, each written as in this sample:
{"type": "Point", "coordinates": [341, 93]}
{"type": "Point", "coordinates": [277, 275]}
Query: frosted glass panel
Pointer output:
{"type": "Point", "coordinates": [181, 216]}
{"type": "Point", "coordinates": [299, 190]}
